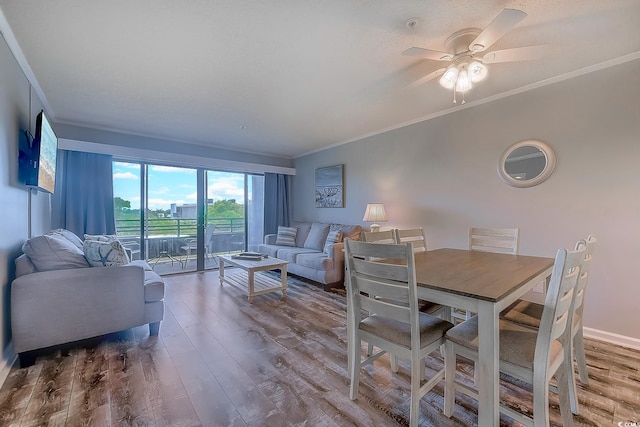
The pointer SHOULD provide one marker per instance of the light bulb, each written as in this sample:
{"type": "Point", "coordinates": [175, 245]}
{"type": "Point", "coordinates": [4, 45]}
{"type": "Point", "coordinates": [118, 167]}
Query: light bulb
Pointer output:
{"type": "Point", "coordinates": [463, 83]}
{"type": "Point", "coordinates": [478, 71]}
{"type": "Point", "coordinates": [448, 79]}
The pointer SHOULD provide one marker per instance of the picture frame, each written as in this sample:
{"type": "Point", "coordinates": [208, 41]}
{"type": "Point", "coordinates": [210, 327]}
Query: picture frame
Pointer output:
{"type": "Point", "coordinates": [329, 187]}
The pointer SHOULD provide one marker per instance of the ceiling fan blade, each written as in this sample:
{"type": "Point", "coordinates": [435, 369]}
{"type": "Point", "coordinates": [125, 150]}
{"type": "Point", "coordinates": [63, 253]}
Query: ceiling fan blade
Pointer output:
{"type": "Point", "coordinates": [419, 52]}
{"type": "Point", "coordinates": [527, 53]}
{"type": "Point", "coordinates": [428, 77]}
{"type": "Point", "coordinates": [501, 24]}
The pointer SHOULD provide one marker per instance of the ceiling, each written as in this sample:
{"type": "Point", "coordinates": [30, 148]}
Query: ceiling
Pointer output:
{"type": "Point", "coordinates": [287, 77]}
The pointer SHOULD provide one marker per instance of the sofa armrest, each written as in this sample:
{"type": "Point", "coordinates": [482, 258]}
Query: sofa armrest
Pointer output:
{"type": "Point", "coordinates": [54, 307]}
{"type": "Point", "coordinates": [337, 252]}
{"type": "Point", "coordinates": [270, 239]}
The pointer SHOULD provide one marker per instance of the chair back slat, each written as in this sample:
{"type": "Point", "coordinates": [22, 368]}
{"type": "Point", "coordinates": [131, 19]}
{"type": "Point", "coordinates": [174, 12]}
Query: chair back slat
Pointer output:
{"type": "Point", "coordinates": [385, 308]}
{"type": "Point", "coordinates": [386, 237]}
{"type": "Point", "coordinates": [415, 236]}
{"type": "Point", "coordinates": [375, 266]}
{"type": "Point", "coordinates": [503, 240]}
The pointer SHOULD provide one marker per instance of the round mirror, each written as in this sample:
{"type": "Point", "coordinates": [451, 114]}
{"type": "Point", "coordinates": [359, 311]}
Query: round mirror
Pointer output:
{"type": "Point", "coordinates": [526, 163]}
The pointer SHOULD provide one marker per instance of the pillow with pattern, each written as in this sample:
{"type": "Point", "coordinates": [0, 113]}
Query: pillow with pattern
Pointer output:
{"type": "Point", "coordinates": [101, 237]}
{"type": "Point", "coordinates": [334, 236]}
{"type": "Point", "coordinates": [286, 236]}
{"type": "Point", "coordinates": [104, 253]}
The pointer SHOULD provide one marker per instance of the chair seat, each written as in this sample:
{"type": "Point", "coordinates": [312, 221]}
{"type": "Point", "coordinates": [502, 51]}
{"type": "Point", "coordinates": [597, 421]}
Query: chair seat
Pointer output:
{"type": "Point", "coordinates": [517, 342]}
{"type": "Point", "coordinates": [431, 329]}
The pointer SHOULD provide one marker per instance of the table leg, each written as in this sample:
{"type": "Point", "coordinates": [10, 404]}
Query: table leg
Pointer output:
{"type": "Point", "coordinates": [283, 279]}
{"type": "Point", "coordinates": [221, 270]}
{"type": "Point", "coordinates": [250, 277]}
{"type": "Point", "coordinates": [488, 366]}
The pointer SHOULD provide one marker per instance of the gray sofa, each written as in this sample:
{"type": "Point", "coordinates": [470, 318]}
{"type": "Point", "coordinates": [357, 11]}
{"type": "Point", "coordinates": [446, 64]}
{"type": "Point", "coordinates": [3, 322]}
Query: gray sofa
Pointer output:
{"type": "Point", "coordinates": [310, 257]}
{"type": "Point", "coordinates": [57, 297]}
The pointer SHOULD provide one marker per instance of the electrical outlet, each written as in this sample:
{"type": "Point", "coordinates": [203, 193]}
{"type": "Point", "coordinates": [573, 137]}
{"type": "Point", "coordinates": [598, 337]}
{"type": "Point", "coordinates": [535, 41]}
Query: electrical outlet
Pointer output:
{"type": "Point", "coordinates": [539, 288]}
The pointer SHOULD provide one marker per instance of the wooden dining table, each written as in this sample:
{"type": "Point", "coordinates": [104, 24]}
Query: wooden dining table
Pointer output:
{"type": "Point", "coordinates": [484, 283]}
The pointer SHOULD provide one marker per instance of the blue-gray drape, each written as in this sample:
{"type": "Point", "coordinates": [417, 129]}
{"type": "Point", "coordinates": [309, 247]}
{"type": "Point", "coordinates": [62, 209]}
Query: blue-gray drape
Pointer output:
{"type": "Point", "coordinates": [83, 199]}
{"type": "Point", "coordinates": [277, 201]}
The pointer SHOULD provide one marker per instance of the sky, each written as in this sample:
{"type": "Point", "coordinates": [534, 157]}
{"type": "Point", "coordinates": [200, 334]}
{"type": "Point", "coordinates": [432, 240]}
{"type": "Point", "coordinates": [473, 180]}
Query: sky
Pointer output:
{"type": "Point", "coordinates": [173, 185]}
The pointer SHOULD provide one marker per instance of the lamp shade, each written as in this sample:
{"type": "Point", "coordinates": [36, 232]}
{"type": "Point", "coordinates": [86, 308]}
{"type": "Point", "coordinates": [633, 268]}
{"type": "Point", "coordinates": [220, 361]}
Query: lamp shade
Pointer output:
{"type": "Point", "coordinates": [375, 212]}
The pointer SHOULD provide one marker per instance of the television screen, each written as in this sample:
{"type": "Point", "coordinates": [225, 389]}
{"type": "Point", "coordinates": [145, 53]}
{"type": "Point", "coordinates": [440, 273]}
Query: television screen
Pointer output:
{"type": "Point", "coordinates": [44, 152]}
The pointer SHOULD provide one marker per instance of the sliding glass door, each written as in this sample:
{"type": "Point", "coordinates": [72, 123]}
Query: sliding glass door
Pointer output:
{"type": "Point", "coordinates": [179, 219]}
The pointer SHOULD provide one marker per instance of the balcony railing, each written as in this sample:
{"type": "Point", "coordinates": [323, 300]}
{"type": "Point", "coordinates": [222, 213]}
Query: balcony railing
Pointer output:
{"type": "Point", "coordinates": [167, 236]}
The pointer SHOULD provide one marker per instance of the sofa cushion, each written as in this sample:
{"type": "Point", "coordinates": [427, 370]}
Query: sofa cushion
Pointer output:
{"type": "Point", "coordinates": [334, 236]}
{"type": "Point", "coordinates": [303, 232]}
{"type": "Point", "coordinates": [317, 236]}
{"type": "Point", "coordinates": [105, 254]}
{"type": "Point", "coordinates": [153, 287]}
{"type": "Point", "coordinates": [286, 236]}
{"type": "Point", "coordinates": [348, 231]}
{"type": "Point", "coordinates": [54, 252]}
{"type": "Point", "coordinates": [316, 261]}
{"type": "Point", "coordinates": [270, 250]}
{"type": "Point", "coordinates": [291, 254]}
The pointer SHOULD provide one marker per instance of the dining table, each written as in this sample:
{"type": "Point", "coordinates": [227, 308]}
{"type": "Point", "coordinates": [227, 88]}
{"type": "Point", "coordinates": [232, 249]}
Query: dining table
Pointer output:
{"type": "Point", "coordinates": [484, 283]}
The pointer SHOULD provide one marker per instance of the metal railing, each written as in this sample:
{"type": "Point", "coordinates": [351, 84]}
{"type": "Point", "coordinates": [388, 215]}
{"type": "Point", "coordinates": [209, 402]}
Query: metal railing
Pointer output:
{"type": "Point", "coordinates": [178, 227]}
{"type": "Point", "coordinates": [169, 235]}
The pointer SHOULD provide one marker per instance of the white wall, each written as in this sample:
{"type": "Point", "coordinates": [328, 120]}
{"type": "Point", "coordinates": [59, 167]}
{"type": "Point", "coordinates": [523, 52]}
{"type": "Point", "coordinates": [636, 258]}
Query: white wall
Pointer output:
{"type": "Point", "coordinates": [441, 174]}
{"type": "Point", "coordinates": [18, 109]}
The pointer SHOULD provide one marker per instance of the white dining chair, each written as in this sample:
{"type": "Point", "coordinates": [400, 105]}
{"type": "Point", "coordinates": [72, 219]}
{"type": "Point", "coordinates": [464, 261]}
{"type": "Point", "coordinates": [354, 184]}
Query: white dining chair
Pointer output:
{"type": "Point", "coordinates": [393, 323]}
{"type": "Point", "coordinates": [499, 240]}
{"type": "Point", "coordinates": [530, 314]}
{"type": "Point", "coordinates": [528, 354]}
{"type": "Point", "coordinates": [415, 236]}
{"type": "Point", "coordinates": [418, 240]}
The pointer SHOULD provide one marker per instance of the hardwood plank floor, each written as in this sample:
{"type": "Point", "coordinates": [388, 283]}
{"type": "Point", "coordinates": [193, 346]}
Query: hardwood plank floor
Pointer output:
{"type": "Point", "coordinates": [220, 361]}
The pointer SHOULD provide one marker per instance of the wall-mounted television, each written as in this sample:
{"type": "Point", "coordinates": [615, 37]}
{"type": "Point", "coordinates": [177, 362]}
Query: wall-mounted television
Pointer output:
{"type": "Point", "coordinates": [41, 167]}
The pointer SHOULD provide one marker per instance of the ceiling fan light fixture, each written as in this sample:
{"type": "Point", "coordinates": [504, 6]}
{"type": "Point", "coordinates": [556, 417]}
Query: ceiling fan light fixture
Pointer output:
{"type": "Point", "coordinates": [463, 83]}
{"type": "Point", "coordinates": [478, 71]}
{"type": "Point", "coordinates": [448, 79]}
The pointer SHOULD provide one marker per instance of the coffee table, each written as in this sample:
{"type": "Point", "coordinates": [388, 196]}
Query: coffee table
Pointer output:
{"type": "Point", "coordinates": [250, 279]}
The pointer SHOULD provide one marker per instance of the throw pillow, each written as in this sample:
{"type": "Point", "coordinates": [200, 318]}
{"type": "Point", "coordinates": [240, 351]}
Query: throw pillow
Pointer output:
{"type": "Point", "coordinates": [334, 236]}
{"type": "Point", "coordinates": [53, 252]}
{"type": "Point", "coordinates": [286, 236]}
{"type": "Point", "coordinates": [101, 237]}
{"type": "Point", "coordinates": [61, 232]}
{"type": "Point", "coordinates": [317, 236]}
{"type": "Point", "coordinates": [105, 254]}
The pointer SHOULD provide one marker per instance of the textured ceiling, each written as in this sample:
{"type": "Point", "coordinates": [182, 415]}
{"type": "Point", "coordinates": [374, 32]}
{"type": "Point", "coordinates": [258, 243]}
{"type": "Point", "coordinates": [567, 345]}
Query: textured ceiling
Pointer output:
{"type": "Point", "coordinates": [286, 77]}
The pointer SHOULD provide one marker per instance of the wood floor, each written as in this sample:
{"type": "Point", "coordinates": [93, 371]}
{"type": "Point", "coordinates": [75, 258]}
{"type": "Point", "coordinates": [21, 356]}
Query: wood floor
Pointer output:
{"type": "Point", "coordinates": [220, 361]}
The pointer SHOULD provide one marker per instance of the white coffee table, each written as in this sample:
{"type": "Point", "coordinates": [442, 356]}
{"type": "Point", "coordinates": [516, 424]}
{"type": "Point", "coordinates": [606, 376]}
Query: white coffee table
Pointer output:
{"type": "Point", "coordinates": [249, 278]}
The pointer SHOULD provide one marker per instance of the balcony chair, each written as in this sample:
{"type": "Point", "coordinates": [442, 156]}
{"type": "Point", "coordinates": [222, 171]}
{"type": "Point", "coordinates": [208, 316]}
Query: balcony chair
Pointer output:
{"type": "Point", "coordinates": [192, 244]}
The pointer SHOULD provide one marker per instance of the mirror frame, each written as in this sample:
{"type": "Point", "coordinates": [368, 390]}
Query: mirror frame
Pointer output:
{"type": "Point", "coordinates": [546, 172]}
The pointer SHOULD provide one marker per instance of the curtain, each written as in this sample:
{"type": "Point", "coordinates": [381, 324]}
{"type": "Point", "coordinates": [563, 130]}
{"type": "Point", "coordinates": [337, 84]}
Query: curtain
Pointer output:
{"type": "Point", "coordinates": [277, 202]}
{"type": "Point", "coordinates": [83, 200]}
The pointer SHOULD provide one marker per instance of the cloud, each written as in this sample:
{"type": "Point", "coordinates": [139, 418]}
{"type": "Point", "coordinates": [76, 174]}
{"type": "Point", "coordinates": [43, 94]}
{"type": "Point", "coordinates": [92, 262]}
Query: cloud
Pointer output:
{"type": "Point", "coordinates": [124, 175]}
{"type": "Point", "coordinates": [157, 168]}
{"type": "Point", "coordinates": [158, 203]}
{"type": "Point", "coordinates": [160, 190]}
{"type": "Point", "coordinates": [226, 188]}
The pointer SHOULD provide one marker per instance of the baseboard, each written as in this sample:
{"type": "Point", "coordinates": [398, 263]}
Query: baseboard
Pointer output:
{"type": "Point", "coordinates": [612, 338]}
{"type": "Point", "coordinates": [8, 360]}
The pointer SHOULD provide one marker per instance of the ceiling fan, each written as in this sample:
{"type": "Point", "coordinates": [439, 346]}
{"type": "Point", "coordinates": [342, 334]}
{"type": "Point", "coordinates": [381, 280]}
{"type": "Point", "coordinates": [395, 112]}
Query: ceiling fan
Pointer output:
{"type": "Point", "coordinates": [467, 52]}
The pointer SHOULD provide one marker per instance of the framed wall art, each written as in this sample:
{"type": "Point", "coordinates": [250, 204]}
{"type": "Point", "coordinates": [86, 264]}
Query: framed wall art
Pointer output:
{"type": "Point", "coordinates": [329, 187]}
